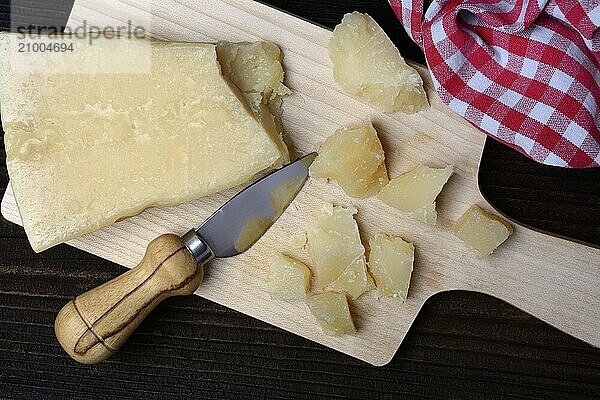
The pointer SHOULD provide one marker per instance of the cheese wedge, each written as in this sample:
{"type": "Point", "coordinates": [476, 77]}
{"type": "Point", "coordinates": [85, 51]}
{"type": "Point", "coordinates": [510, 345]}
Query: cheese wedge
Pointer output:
{"type": "Point", "coordinates": [85, 150]}
{"type": "Point", "coordinates": [366, 64]}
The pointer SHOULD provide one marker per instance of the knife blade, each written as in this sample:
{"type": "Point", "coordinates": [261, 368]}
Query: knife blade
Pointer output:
{"type": "Point", "coordinates": [240, 222]}
{"type": "Point", "coordinates": [96, 323]}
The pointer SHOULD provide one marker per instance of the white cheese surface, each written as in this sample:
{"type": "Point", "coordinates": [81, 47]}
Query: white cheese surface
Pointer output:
{"type": "Point", "coordinates": [85, 150]}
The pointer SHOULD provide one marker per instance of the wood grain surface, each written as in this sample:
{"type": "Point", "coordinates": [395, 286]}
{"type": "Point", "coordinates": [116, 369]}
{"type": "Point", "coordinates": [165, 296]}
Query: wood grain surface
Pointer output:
{"type": "Point", "coordinates": [463, 345]}
{"type": "Point", "coordinates": [540, 274]}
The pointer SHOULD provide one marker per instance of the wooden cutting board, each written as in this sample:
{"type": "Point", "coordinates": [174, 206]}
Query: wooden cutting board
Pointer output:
{"type": "Point", "coordinates": [551, 278]}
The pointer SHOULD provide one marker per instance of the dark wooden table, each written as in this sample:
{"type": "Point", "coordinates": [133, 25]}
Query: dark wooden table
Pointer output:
{"type": "Point", "coordinates": [463, 345]}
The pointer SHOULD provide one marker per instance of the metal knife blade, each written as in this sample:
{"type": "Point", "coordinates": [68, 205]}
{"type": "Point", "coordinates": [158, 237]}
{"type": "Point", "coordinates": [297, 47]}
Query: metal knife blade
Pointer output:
{"type": "Point", "coordinates": [240, 222]}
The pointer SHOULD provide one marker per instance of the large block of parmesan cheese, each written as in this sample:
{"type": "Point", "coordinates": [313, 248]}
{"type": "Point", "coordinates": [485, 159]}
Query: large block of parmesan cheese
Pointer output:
{"type": "Point", "coordinates": [87, 149]}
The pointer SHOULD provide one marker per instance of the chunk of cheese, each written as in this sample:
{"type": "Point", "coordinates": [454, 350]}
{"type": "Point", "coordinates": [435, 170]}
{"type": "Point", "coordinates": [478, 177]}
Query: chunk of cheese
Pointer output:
{"type": "Point", "coordinates": [366, 64]}
{"type": "Point", "coordinates": [256, 70]}
{"type": "Point", "coordinates": [391, 264]}
{"type": "Point", "coordinates": [85, 150]}
{"type": "Point", "coordinates": [354, 280]}
{"type": "Point", "coordinates": [336, 250]}
{"type": "Point", "coordinates": [288, 279]}
{"type": "Point", "coordinates": [353, 156]}
{"type": "Point", "coordinates": [482, 231]}
{"type": "Point", "coordinates": [414, 192]}
{"type": "Point", "coordinates": [298, 240]}
{"type": "Point", "coordinates": [332, 313]}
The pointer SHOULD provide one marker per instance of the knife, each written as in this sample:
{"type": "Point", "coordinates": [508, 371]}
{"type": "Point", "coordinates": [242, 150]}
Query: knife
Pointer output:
{"type": "Point", "coordinates": [96, 323]}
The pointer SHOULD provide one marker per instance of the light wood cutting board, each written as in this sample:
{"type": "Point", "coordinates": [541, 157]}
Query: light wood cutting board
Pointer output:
{"type": "Point", "coordinates": [551, 278]}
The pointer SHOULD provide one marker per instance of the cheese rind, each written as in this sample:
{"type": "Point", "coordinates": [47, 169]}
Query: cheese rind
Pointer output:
{"type": "Point", "coordinates": [414, 192]}
{"type": "Point", "coordinates": [87, 150]}
{"type": "Point", "coordinates": [482, 231]}
{"type": "Point", "coordinates": [288, 279]}
{"type": "Point", "coordinates": [391, 265]}
{"type": "Point", "coordinates": [366, 64]}
{"type": "Point", "coordinates": [334, 245]}
{"type": "Point", "coordinates": [332, 313]}
{"type": "Point", "coordinates": [354, 157]}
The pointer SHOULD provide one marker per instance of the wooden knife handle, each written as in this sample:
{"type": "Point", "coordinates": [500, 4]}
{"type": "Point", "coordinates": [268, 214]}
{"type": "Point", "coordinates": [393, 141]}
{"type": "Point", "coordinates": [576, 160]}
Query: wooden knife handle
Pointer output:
{"type": "Point", "coordinates": [96, 323]}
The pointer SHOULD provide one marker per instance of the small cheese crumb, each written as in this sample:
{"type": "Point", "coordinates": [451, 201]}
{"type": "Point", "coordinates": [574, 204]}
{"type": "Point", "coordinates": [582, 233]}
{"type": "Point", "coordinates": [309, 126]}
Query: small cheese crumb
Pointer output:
{"type": "Point", "coordinates": [298, 241]}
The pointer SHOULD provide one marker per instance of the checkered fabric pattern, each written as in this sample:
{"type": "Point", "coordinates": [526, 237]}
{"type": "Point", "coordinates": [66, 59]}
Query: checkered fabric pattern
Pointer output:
{"type": "Point", "coordinates": [526, 72]}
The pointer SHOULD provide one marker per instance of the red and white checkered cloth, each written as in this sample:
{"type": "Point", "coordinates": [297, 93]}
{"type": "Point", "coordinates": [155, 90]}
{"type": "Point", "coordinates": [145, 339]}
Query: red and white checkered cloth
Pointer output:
{"type": "Point", "coordinates": [526, 72]}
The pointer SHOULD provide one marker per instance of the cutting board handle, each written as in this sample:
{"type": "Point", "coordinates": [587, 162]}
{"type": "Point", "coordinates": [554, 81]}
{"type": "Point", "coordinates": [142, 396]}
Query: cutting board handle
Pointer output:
{"type": "Point", "coordinates": [96, 323]}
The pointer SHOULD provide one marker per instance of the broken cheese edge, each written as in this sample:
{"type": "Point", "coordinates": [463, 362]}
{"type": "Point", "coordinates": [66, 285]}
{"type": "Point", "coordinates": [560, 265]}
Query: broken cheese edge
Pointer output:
{"type": "Point", "coordinates": [354, 157]}
{"type": "Point", "coordinates": [334, 245]}
{"type": "Point", "coordinates": [256, 70]}
{"type": "Point", "coordinates": [391, 264]}
{"type": "Point", "coordinates": [332, 313]}
{"type": "Point", "coordinates": [366, 64]}
{"type": "Point", "coordinates": [482, 231]}
{"type": "Point", "coordinates": [288, 278]}
{"type": "Point", "coordinates": [78, 164]}
{"type": "Point", "coordinates": [414, 192]}
{"type": "Point", "coordinates": [354, 280]}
